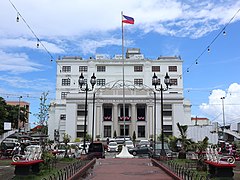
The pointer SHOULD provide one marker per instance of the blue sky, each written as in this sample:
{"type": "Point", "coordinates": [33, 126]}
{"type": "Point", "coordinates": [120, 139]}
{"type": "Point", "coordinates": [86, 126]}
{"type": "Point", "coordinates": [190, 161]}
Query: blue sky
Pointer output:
{"type": "Point", "coordinates": [89, 27]}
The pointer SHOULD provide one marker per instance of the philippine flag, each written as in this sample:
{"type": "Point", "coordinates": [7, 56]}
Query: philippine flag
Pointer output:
{"type": "Point", "coordinates": [128, 20]}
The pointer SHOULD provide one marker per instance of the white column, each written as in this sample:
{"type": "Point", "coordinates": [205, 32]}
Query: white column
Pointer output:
{"type": "Point", "coordinates": [71, 120]}
{"type": "Point", "coordinates": [115, 119]}
{"type": "Point", "coordinates": [134, 119]}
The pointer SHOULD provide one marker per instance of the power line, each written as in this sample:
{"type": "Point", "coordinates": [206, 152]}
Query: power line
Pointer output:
{"type": "Point", "coordinates": [34, 34]}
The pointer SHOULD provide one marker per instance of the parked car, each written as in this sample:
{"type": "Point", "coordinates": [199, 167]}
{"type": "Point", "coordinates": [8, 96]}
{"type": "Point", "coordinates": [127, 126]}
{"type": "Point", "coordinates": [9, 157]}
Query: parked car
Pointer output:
{"type": "Point", "coordinates": [112, 147]}
{"type": "Point", "coordinates": [144, 142]}
{"type": "Point", "coordinates": [96, 150]}
{"type": "Point", "coordinates": [120, 139]}
{"type": "Point", "coordinates": [129, 144]}
{"type": "Point", "coordinates": [168, 151]}
{"type": "Point", "coordinates": [141, 150]}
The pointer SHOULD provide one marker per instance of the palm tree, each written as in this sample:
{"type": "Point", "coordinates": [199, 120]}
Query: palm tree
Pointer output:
{"type": "Point", "coordinates": [201, 146]}
{"type": "Point", "coordinates": [66, 140]}
{"type": "Point", "coordinates": [185, 142]}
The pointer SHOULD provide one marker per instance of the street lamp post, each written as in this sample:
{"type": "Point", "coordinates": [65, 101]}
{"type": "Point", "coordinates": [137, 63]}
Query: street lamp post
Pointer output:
{"type": "Point", "coordinates": [155, 123]}
{"type": "Point", "coordinates": [222, 98]}
{"type": "Point", "coordinates": [81, 82]}
{"type": "Point", "coordinates": [19, 115]}
{"type": "Point", "coordinates": [94, 94]}
{"type": "Point", "coordinates": [155, 82]}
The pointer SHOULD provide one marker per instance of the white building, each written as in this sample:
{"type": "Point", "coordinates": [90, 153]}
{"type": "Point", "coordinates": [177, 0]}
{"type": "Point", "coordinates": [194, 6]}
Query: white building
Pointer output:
{"type": "Point", "coordinates": [105, 111]}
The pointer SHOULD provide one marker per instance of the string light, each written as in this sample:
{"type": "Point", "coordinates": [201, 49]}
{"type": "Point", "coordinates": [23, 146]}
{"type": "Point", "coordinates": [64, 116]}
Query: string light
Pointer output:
{"type": "Point", "coordinates": [223, 31]}
{"type": "Point", "coordinates": [17, 18]}
{"type": "Point", "coordinates": [39, 42]}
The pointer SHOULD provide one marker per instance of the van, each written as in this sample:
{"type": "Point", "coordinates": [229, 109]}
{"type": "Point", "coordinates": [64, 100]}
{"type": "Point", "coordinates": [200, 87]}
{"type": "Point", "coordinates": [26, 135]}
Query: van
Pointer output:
{"type": "Point", "coordinates": [96, 150]}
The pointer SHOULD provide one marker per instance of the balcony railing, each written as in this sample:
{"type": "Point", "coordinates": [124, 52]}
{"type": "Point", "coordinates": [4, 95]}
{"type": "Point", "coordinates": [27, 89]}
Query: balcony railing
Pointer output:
{"type": "Point", "coordinates": [107, 118]}
{"type": "Point", "coordinates": [127, 118]}
{"type": "Point", "coordinates": [141, 118]}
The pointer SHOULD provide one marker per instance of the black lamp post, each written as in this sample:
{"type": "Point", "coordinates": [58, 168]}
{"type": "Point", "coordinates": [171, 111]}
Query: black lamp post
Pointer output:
{"type": "Point", "coordinates": [81, 82]}
{"type": "Point", "coordinates": [155, 82]}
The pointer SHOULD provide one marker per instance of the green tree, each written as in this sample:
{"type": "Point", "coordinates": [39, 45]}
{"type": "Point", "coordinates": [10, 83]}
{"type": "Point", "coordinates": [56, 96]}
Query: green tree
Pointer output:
{"type": "Point", "coordinates": [134, 137]}
{"type": "Point", "coordinates": [43, 113]}
{"type": "Point", "coordinates": [3, 114]}
{"type": "Point", "coordinates": [88, 137]}
{"type": "Point", "coordinates": [185, 142]}
{"type": "Point", "coordinates": [200, 147]}
{"type": "Point", "coordinates": [10, 113]}
{"type": "Point", "coordinates": [172, 142]}
{"type": "Point", "coordinates": [66, 140]}
{"type": "Point", "coordinates": [115, 134]}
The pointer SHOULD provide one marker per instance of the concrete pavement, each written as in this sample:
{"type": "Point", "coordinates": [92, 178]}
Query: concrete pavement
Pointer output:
{"type": "Point", "coordinates": [124, 169]}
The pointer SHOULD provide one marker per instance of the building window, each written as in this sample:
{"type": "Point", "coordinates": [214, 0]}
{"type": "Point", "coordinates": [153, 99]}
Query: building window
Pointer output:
{"type": "Point", "coordinates": [63, 117]}
{"type": "Point", "coordinates": [122, 130]}
{"type": "Point", "coordinates": [66, 82]}
{"type": "Point", "coordinates": [167, 127]}
{"type": "Point", "coordinates": [141, 113]}
{"type": "Point", "coordinates": [64, 95]}
{"type": "Point", "coordinates": [155, 68]}
{"type": "Point", "coordinates": [167, 113]}
{"type": "Point", "coordinates": [66, 69]}
{"type": "Point", "coordinates": [138, 68]}
{"type": "Point", "coordinates": [174, 82]}
{"type": "Point", "coordinates": [101, 82]}
{"type": "Point", "coordinates": [80, 131]}
{"type": "Point", "coordinates": [83, 68]}
{"type": "Point", "coordinates": [101, 68]}
{"type": "Point", "coordinates": [138, 82]}
{"type": "Point", "coordinates": [141, 131]}
{"type": "Point", "coordinates": [107, 114]}
{"type": "Point", "coordinates": [81, 113]}
{"type": "Point", "coordinates": [126, 111]}
{"type": "Point", "coordinates": [172, 68]}
{"type": "Point", "coordinates": [80, 128]}
{"type": "Point", "coordinates": [107, 131]}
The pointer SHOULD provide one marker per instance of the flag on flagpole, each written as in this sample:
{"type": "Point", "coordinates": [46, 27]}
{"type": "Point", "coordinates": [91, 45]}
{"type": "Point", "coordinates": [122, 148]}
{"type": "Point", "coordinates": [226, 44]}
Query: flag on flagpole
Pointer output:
{"type": "Point", "coordinates": [127, 19]}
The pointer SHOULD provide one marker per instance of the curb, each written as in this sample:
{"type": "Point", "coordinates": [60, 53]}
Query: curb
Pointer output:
{"type": "Point", "coordinates": [166, 170]}
{"type": "Point", "coordinates": [83, 170]}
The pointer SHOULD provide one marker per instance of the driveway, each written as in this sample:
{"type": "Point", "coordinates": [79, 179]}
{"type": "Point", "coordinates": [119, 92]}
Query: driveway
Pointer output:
{"type": "Point", "coordinates": [121, 169]}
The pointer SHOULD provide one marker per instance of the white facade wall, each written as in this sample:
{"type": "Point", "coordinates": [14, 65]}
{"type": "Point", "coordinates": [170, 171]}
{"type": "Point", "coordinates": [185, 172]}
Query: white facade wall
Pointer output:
{"type": "Point", "coordinates": [111, 96]}
{"type": "Point", "coordinates": [198, 133]}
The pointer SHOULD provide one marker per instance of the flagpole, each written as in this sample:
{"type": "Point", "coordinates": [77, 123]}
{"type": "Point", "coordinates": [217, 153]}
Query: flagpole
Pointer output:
{"type": "Point", "coordinates": [124, 113]}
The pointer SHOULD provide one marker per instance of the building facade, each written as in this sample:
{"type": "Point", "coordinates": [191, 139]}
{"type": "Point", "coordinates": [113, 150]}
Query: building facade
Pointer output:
{"type": "Point", "coordinates": [22, 125]}
{"type": "Point", "coordinates": [104, 117]}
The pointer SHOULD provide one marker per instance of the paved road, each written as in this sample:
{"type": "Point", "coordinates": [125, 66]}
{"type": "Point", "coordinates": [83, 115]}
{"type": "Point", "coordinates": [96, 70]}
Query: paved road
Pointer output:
{"type": "Point", "coordinates": [125, 169]}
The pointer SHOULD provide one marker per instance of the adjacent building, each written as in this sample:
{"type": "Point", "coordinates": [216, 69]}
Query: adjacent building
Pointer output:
{"type": "Point", "coordinates": [22, 125]}
{"type": "Point", "coordinates": [104, 117]}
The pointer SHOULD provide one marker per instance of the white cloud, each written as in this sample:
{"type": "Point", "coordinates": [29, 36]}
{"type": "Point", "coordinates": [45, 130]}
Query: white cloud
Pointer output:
{"type": "Point", "coordinates": [32, 44]}
{"type": "Point", "coordinates": [214, 107]}
{"type": "Point", "coordinates": [60, 18]}
{"type": "Point", "coordinates": [17, 63]}
{"type": "Point", "coordinates": [90, 46]}
{"type": "Point", "coordinates": [37, 84]}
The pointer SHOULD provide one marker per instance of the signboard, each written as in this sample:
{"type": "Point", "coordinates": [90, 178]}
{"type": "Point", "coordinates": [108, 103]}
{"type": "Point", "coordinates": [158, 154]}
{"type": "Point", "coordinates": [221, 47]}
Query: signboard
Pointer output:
{"type": "Point", "coordinates": [7, 126]}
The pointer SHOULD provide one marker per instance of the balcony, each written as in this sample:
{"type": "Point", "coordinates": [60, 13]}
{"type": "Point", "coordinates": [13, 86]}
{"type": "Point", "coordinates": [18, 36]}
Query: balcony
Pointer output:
{"type": "Point", "coordinates": [107, 118]}
{"type": "Point", "coordinates": [141, 118]}
{"type": "Point", "coordinates": [127, 118]}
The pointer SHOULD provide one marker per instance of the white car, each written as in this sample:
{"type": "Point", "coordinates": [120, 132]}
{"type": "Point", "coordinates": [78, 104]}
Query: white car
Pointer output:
{"type": "Point", "coordinates": [112, 147]}
{"type": "Point", "coordinates": [129, 144]}
{"type": "Point", "coordinates": [144, 142]}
